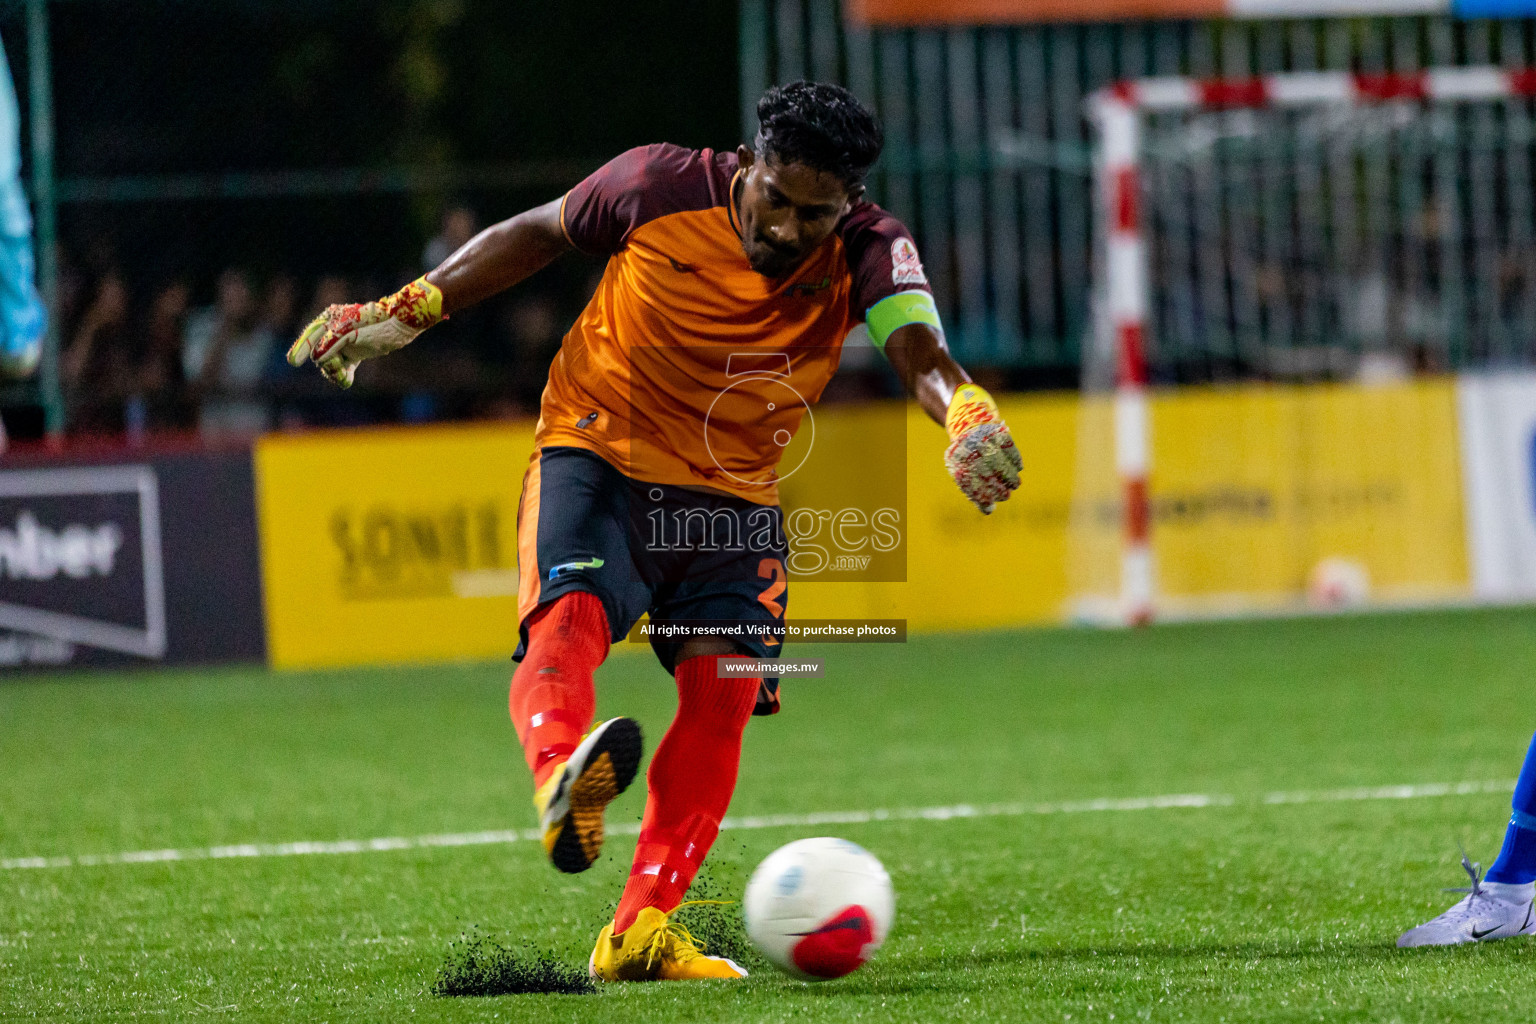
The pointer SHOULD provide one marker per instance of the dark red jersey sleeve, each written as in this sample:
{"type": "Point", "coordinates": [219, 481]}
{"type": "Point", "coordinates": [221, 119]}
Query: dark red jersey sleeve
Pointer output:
{"type": "Point", "coordinates": [634, 187]}
{"type": "Point", "coordinates": [882, 258]}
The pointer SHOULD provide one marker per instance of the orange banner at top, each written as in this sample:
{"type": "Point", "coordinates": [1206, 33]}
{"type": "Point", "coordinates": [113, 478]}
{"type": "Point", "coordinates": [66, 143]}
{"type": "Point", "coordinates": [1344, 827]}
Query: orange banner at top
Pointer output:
{"type": "Point", "coordinates": [1012, 12]}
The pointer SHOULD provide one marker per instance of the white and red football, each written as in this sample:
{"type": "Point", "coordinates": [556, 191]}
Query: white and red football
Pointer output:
{"type": "Point", "coordinates": [819, 908]}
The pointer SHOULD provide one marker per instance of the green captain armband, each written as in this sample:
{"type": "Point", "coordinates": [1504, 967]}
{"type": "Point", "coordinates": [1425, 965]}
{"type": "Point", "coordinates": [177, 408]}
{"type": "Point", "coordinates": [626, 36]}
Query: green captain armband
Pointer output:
{"type": "Point", "coordinates": [893, 311]}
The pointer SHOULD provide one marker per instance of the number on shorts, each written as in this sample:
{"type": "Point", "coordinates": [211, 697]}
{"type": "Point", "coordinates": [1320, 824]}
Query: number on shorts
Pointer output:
{"type": "Point", "coordinates": [772, 569]}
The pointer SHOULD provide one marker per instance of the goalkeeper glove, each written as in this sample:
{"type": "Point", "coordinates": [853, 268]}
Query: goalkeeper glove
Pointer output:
{"type": "Point", "coordinates": [981, 456]}
{"type": "Point", "coordinates": [344, 335]}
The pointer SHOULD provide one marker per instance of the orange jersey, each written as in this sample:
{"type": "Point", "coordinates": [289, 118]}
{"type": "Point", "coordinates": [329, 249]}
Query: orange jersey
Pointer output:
{"type": "Point", "coordinates": [688, 367]}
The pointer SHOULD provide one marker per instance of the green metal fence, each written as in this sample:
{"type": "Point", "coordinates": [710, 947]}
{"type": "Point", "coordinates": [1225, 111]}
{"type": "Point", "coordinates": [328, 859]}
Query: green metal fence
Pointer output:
{"type": "Point", "coordinates": [988, 155]}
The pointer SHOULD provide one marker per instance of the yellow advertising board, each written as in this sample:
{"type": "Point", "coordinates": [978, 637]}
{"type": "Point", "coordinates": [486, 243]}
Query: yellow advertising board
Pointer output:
{"type": "Point", "coordinates": [963, 570]}
{"type": "Point", "coordinates": [400, 545]}
{"type": "Point", "coordinates": [387, 546]}
{"type": "Point", "coordinates": [1252, 488]}
{"type": "Point", "coordinates": [1255, 487]}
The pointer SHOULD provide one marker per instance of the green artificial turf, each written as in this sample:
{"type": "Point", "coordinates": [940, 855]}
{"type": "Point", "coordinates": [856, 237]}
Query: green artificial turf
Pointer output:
{"type": "Point", "coordinates": [1238, 911]}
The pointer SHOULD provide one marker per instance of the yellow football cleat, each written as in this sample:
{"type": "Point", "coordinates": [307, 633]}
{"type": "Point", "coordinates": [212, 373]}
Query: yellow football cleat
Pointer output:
{"type": "Point", "coordinates": [655, 949]}
{"type": "Point", "coordinates": [572, 800]}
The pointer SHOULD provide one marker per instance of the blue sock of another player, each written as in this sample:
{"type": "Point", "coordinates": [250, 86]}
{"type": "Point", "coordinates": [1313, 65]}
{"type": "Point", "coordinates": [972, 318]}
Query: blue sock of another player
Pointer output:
{"type": "Point", "coordinates": [1517, 861]}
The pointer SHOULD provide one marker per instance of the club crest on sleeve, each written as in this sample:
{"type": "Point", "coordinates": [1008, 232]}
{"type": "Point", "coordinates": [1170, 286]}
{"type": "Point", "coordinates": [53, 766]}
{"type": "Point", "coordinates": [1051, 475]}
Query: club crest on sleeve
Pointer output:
{"type": "Point", "coordinates": [906, 268]}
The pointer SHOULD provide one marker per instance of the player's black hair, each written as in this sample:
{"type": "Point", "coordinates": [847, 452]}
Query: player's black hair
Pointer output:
{"type": "Point", "coordinates": [821, 125]}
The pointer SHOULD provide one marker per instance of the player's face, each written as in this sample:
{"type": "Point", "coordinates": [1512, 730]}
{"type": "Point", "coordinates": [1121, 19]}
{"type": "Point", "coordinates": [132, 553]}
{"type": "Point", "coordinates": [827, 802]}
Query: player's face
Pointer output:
{"type": "Point", "coordinates": [786, 211]}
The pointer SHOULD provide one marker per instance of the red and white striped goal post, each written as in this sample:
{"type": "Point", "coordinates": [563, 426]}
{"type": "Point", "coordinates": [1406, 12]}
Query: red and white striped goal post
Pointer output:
{"type": "Point", "coordinates": [1117, 111]}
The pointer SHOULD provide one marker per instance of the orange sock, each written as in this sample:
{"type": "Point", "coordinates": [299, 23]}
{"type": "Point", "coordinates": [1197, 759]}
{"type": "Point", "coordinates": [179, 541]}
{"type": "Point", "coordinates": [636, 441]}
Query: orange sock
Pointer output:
{"type": "Point", "coordinates": [551, 698]}
{"type": "Point", "coordinates": [690, 782]}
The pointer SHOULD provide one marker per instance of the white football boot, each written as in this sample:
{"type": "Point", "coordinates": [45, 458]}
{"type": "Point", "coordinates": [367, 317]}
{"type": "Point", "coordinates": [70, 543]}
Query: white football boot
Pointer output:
{"type": "Point", "coordinates": [1489, 911]}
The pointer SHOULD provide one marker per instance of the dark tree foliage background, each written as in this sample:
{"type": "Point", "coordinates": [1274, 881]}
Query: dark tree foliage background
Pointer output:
{"type": "Point", "coordinates": [198, 86]}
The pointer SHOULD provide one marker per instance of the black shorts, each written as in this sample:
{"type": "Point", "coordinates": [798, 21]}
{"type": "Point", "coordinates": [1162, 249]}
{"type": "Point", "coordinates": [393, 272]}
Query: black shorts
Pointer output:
{"type": "Point", "coordinates": [681, 555]}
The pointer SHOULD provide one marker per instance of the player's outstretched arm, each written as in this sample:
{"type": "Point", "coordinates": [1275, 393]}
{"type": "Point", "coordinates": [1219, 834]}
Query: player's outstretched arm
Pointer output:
{"type": "Point", "coordinates": [981, 454]}
{"type": "Point", "coordinates": [501, 256]}
{"type": "Point", "coordinates": [340, 338]}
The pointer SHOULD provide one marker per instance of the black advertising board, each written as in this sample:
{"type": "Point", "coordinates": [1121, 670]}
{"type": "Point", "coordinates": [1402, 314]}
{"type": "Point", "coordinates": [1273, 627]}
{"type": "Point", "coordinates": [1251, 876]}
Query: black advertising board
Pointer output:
{"type": "Point", "coordinates": [133, 561]}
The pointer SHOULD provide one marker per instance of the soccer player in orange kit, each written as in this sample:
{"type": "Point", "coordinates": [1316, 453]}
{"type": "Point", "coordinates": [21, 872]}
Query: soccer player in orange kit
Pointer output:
{"type": "Point", "coordinates": [770, 250]}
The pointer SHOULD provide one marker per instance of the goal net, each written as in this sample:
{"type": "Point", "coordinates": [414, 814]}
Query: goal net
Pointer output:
{"type": "Point", "coordinates": [1292, 230]}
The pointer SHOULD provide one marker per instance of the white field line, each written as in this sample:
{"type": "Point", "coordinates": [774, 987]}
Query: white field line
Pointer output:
{"type": "Point", "coordinates": [947, 813]}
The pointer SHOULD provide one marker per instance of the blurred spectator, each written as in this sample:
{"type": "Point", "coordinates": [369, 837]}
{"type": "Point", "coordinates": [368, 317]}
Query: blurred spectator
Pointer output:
{"type": "Point", "coordinates": [531, 333]}
{"type": "Point", "coordinates": [330, 290]}
{"type": "Point", "coordinates": [458, 226]}
{"type": "Point", "coordinates": [224, 355]}
{"type": "Point", "coordinates": [97, 362]}
{"type": "Point", "coordinates": [68, 294]}
{"type": "Point", "coordinates": [279, 309]}
{"type": "Point", "coordinates": [279, 320]}
{"type": "Point", "coordinates": [135, 363]}
{"type": "Point", "coordinates": [160, 374]}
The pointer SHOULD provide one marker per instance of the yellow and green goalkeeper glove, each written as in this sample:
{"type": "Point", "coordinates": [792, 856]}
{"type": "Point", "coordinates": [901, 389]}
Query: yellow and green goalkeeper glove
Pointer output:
{"type": "Point", "coordinates": [344, 335]}
{"type": "Point", "coordinates": [981, 456]}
